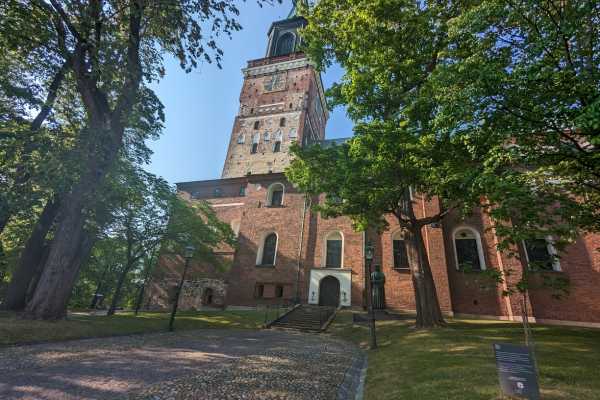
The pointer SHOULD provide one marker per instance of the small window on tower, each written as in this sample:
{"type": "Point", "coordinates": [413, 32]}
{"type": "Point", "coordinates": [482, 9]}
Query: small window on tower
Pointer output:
{"type": "Point", "coordinates": [282, 122]}
{"type": "Point", "coordinates": [256, 124]}
{"type": "Point", "coordinates": [293, 133]}
{"type": "Point", "coordinates": [241, 139]}
{"type": "Point", "coordinates": [254, 148]}
{"type": "Point", "coordinates": [266, 137]}
{"type": "Point", "coordinates": [277, 147]}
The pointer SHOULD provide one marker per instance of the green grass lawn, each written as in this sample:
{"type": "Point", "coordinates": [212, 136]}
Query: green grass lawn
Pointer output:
{"type": "Point", "coordinates": [458, 362]}
{"type": "Point", "coordinates": [14, 330]}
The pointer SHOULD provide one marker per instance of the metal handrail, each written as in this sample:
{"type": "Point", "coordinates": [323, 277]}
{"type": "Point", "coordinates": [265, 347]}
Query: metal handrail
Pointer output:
{"type": "Point", "coordinates": [279, 308]}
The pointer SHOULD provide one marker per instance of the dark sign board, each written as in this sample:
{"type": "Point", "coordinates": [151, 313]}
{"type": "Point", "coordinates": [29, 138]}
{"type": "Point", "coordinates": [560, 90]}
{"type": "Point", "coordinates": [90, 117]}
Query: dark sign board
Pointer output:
{"type": "Point", "coordinates": [516, 371]}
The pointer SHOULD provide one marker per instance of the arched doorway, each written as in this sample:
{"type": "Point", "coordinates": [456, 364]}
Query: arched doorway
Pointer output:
{"type": "Point", "coordinates": [207, 297]}
{"type": "Point", "coordinates": [329, 292]}
{"type": "Point", "coordinates": [285, 44]}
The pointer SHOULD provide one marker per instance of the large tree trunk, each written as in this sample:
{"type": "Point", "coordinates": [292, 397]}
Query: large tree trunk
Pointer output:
{"type": "Point", "coordinates": [31, 260]}
{"type": "Point", "coordinates": [64, 259]}
{"type": "Point", "coordinates": [429, 314]}
{"type": "Point", "coordinates": [106, 128]}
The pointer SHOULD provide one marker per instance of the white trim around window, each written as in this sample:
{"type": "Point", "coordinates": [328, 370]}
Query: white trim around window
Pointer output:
{"type": "Point", "coordinates": [261, 249]}
{"type": "Point", "coordinates": [333, 235]}
{"type": "Point", "coordinates": [270, 191]}
{"type": "Point", "coordinates": [551, 250]}
{"type": "Point", "coordinates": [474, 235]}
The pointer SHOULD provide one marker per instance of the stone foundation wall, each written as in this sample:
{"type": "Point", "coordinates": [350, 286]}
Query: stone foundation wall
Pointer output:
{"type": "Point", "coordinates": [194, 294]}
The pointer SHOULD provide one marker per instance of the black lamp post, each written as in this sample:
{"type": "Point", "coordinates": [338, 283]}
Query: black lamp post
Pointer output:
{"type": "Point", "coordinates": [369, 252]}
{"type": "Point", "coordinates": [188, 253]}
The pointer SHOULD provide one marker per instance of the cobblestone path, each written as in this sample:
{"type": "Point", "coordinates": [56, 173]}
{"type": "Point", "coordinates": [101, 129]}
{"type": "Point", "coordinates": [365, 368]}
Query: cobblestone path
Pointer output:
{"type": "Point", "coordinates": [206, 364]}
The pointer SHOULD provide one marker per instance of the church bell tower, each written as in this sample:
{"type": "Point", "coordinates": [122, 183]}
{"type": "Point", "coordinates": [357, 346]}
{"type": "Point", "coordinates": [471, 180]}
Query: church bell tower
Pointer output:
{"type": "Point", "coordinates": [282, 101]}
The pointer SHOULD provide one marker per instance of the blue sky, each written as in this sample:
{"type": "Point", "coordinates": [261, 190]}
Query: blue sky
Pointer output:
{"type": "Point", "coordinates": [200, 106]}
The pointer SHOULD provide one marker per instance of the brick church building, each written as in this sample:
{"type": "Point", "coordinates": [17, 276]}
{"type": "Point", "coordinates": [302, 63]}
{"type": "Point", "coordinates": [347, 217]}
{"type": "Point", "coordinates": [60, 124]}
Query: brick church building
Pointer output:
{"type": "Point", "coordinates": [286, 252]}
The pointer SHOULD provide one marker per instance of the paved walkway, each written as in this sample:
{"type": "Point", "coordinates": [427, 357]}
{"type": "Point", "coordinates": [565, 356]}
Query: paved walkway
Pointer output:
{"type": "Point", "coordinates": [206, 364]}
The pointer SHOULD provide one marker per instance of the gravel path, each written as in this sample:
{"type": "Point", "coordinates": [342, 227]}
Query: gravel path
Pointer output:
{"type": "Point", "coordinates": [206, 364]}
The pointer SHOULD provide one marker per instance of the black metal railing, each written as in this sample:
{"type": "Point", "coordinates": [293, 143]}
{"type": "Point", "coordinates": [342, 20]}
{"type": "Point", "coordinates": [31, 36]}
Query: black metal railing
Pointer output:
{"type": "Point", "coordinates": [275, 311]}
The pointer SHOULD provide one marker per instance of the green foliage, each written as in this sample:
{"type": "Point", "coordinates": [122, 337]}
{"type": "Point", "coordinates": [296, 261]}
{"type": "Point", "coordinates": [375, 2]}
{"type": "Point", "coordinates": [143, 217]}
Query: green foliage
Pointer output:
{"type": "Point", "coordinates": [473, 100]}
{"type": "Point", "coordinates": [527, 72]}
{"type": "Point", "coordinates": [389, 50]}
{"type": "Point", "coordinates": [139, 216]}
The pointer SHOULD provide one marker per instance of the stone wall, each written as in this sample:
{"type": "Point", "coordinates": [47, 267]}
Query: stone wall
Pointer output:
{"type": "Point", "coordinates": [194, 294]}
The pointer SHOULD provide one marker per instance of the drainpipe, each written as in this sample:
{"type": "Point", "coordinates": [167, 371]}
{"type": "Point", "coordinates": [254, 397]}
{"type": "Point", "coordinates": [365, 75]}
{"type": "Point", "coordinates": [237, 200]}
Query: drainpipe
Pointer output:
{"type": "Point", "coordinates": [300, 247]}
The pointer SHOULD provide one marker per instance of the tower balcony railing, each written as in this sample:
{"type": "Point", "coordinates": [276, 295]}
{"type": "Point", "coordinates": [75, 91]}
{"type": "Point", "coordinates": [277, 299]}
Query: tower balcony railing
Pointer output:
{"type": "Point", "coordinates": [270, 60]}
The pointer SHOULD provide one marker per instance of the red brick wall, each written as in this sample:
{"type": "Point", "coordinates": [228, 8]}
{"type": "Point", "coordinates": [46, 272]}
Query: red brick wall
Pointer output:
{"type": "Point", "coordinates": [459, 292]}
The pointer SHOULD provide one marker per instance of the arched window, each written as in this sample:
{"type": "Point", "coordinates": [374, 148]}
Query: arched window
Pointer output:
{"type": "Point", "coordinates": [275, 195]}
{"type": "Point", "coordinates": [282, 122]}
{"type": "Point", "coordinates": [399, 251]}
{"type": "Point", "coordinates": [241, 139]}
{"type": "Point", "coordinates": [255, 140]}
{"type": "Point", "coordinates": [266, 137]}
{"type": "Point", "coordinates": [468, 249]}
{"type": "Point", "coordinates": [207, 297]}
{"type": "Point", "coordinates": [541, 254]}
{"type": "Point", "coordinates": [334, 250]}
{"type": "Point", "coordinates": [277, 143]}
{"type": "Point", "coordinates": [268, 251]}
{"type": "Point", "coordinates": [285, 44]}
{"type": "Point", "coordinates": [256, 123]}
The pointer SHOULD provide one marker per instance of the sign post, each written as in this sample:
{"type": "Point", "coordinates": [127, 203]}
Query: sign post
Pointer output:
{"type": "Point", "coordinates": [517, 371]}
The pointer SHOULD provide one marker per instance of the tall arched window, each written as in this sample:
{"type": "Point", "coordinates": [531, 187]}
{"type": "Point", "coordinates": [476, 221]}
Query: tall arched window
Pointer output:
{"type": "Point", "coordinates": [334, 250]}
{"type": "Point", "coordinates": [277, 144]}
{"type": "Point", "coordinates": [255, 140]}
{"type": "Point", "coordinates": [399, 251]}
{"type": "Point", "coordinates": [275, 195]}
{"type": "Point", "coordinates": [269, 250]}
{"type": "Point", "coordinates": [468, 249]}
{"type": "Point", "coordinates": [285, 44]}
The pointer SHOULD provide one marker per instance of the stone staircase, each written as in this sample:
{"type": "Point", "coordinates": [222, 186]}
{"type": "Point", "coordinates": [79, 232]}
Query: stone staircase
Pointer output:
{"type": "Point", "coordinates": [306, 318]}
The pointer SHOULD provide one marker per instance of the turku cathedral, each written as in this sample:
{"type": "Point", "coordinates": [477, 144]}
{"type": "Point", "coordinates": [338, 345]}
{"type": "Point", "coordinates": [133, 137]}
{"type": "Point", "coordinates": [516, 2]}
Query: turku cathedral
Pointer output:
{"type": "Point", "coordinates": [288, 253]}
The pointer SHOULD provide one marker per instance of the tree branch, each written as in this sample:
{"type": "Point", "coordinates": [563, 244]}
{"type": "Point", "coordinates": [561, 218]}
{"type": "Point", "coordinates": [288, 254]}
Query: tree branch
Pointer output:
{"type": "Point", "coordinates": [66, 20]}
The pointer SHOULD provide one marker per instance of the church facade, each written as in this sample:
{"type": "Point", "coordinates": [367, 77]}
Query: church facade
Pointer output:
{"type": "Point", "coordinates": [288, 253]}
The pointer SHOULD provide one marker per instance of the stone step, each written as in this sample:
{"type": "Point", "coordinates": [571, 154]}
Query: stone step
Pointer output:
{"type": "Point", "coordinates": [305, 318]}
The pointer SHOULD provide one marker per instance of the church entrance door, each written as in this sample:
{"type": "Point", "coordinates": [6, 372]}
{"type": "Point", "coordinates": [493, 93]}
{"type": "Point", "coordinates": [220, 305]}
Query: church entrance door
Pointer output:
{"type": "Point", "coordinates": [329, 292]}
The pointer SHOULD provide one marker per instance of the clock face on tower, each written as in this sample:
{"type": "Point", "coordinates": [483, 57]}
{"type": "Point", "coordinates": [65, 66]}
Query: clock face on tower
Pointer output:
{"type": "Point", "coordinates": [275, 82]}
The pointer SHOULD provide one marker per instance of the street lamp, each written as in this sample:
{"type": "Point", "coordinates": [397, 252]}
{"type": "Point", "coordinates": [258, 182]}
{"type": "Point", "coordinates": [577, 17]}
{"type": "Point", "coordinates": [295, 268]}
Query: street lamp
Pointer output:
{"type": "Point", "coordinates": [188, 253]}
{"type": "Point", "coordinates": [369, 253]}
